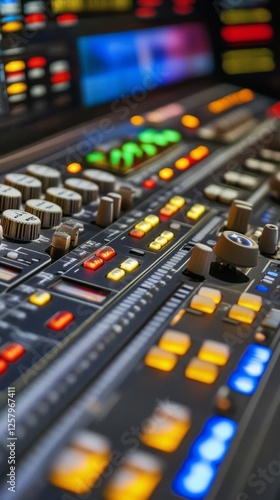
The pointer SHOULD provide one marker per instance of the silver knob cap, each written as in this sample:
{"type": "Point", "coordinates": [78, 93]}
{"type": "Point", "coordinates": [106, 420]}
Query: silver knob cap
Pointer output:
{"type": "Point", "coordinates": [20, 225]}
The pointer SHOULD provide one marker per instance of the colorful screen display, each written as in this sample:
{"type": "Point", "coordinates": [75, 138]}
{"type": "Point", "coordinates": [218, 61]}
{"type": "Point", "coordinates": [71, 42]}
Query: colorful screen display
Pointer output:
{"type": "Point", "coordinates": [135, 62]}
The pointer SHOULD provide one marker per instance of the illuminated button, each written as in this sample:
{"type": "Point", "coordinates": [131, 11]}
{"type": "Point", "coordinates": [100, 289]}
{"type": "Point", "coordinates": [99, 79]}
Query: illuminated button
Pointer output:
{"type": "Point", "coordinates": [168, 210]}
{"type": "Point", "coordinates": [137, 120]}
{"type": "Point", "coordinates": [106, 253]}
{"type": "Point", "coordinates": [74, 168]}
{"type": "Point", "coordinates": [152, 219]}
{"type": "Point", "coordinates": [202, 371]}
{"type": "Point", "coordinates": [160, 359]}
{"type": "Point", "coordinates": [137, 233]}
{"type": "Point", "coordinates": [176, 342]}
{"type": "Point", "coordinates": [166, 174]}
{"type": "Point", "coordinates": [162, 241]}
{"type": "Point", "coordinates": [167, 427]}
{"type": "Point", "coordinates": [93, 263]}
{"type": "Point", "coordinates": [251, 301]}
{"type": "Point", "coordinates": [144, 226]}
{"type": "Point", "coordinates": [199, 153]}
{"type": "Point", "coordinates": [212, 293]}
{"type": "Point", "coordinates": [116, 274]}
{"type": "Point", "coordinates": [14, 66]}
{"type": "Point", "coordinates": [214, 352]}
{"type": "Point", "coordinates": [154, 245]}
{"type": "Point", "coordinates": [177, 201]}
{"type": "Point", "coordinates": [196, 211]}
{"type": "Point", "coordinates": [40, 298]}
{"type": "Point", "coordinates": [149, 183]}
{"type": "Point", "coordinates": [129, 265]}
{"type": "Point", "coordinates": [203, 304]}
{"type": "Point", "coordinates": [239, 382]}
{"type": "Point", "coordinates": [210, 449]}
{"type": "Point", "coordinates": [243, 314]}
{"type": "Point", "coordinates": [178, 316]}
{"type": "Point", "coordinates": [194, 480]}
{"type": "Point", "coordinates": [182, 164]}
{"type": "Point", "coordinates": [60, 320]}
{"type": "Point", "coordinates": [12, 353]}
{"type": "Point", "coordinates": [3, 366]}
{"type": "Point", "coordinates": [190, 121]}
{"type": "Point", "coordinates": [16, 88]}
{"type": "Point", "coordinates": [168, 235]}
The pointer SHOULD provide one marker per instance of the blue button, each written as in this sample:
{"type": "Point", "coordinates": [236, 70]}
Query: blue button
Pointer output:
{"type": "Point", "coordinates": [242, 383]}
{"type": "Point", "coordinates": [194, 480]}
{"type": "Point", "coordinates": [262, 288]}
{"type": "Point", "coordinates": [253, 368]}
{"type": "Point", "coordinates": [222, 428]}
{"type": "Point", "coordinates": [272, 273]}
{"type": "Point", "coordinates": [259, 353]}
{"type": "Point", "coordinates": [209, 449]}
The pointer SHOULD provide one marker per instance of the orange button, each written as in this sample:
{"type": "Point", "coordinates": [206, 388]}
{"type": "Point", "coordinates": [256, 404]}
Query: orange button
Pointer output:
{"type": "Point", "coordinates": [106, 253]}
{"type": "Point", "coordinates": [12, 352]}
{"type": "Point", "coordinates": [60, 320]}
{"type": "Point", "coordinates": [93, 263]}
{"type": "Point", "coordinates": [182, 163]}
{"type": "Point", "coordinates": [74, 168]}
{"type": "Point", "coordinates": [137, 233]}
{"type": "Point", "coordinates": [165, 174]}
{"type": "Point", "coordinates": [149, 184]}
{"type": "Point", "coordinates": [3, 366]}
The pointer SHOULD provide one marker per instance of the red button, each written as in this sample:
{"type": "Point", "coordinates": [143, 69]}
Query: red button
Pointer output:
{"type": "Point", "coordinates": [106, 253]}
{"type": "Point", "coordinates": [3, 366]}
{"type": "Point", "coordinates": [93, 263]}
{"type": "Point", "coordinates": [137, 233]}
{"type": "Point", "coordinates": [12, 352]}
{"type": "Point", "coordinates": [60, 320]}
{"type": "Point", "coordinates": [149, 184]}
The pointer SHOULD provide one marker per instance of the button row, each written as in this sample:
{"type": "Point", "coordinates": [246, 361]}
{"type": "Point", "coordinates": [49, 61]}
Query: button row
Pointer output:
{"type": "Point", "coordinates": [246, 377]}
{"type": "Point", "coordinates": [162, 240]}
{"type": "Point", "coordinates": [174, 204]}
{"type": "Point", "coordinates": [127, 266]}
{"type": "Point", "coordinates": [10, 354]}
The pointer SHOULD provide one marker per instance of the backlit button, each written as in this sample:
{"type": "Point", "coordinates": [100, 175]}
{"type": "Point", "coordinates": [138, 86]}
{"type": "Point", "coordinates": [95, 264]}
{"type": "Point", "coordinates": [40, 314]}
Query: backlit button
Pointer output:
{"type": "Point", "coordinates": [154, 245]}
{"type": "Point", "coordinates": [166, 174]}
{"type": "Point", "coordinates": [182, 163]}
{"type": "Point", "coordinates": [251, 301]}
{"type": "Point", "coordinates": [196, 211]}
{"type": "Point", "coordinates": [137, 233]}
{"type": "Point", "coordinates": [116, 274]}
{"type": "Point", "coordinates": [214, 352]}
{"type": "Point", "coordinates": [149, 184]}
{"type": "Point", "coordinates": [40, 298]}
{"type": "Point", "coordinates": [177, 201]}
{"type": "Point", "coordinates": [167, 427]}
{"type": "Point", "coordinates": [162, 241]}
{"type": "Point", "coordinates": [60, 320]}
{"type": "Point", "coordinates": [12, 353]}
{"type": "Point", "coordinates": [211, 293]}
{"type": "Point", "coordinates": [160, 359]}
{"type": "Point", "coordinates": [129, 265]}
{"type": "Point", "coordinates": [144, 226]}
{"type": "Point", "coordinates": [203, 304]}
{"type": "Point", "coordinates": [106, 253]}
{"type": "Point", "coordinates": [3, 366]}
{"type": "Point", "coordinates": [168, 235]}
{"type": "Point", "coordinates": [243, 314]}
{"type": "Point", "coordinates": [202, 371]}
{"type": "Point", "coordinates": [93, 263]}
{"type": "Point", "coordinates": [168, 210]}
{"type": "Point", "coordinates": [152, 219]}
{"type": "Point", "coordinates": [176, 342]}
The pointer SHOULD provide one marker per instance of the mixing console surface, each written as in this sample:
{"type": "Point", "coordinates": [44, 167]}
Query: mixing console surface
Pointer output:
{"type": "Point", "coordinates": [139, 308]}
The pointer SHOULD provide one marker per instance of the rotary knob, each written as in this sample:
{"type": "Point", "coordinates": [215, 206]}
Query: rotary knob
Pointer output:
{"type": "Point", "coordinates": [88, 190]}
{"type": "Point", "coordinates": [49, 177]}
{"type": "Point", "coordinates": [200, 261]}
{"type": "Point", "coordinates": [27, 185]}
{"type": "Point", "coordinates": [105, 212]}
{"type": "Point", "coordinates": [269, 239]}
{"type": "Point", "coordinates": [105, 181]}
{"type": "Point", "coordinates": [49, 213]}
{"type": "Point", "coordinates": [21, 226]}
{"type": "Point", "coordinates": [69, 201]}
{"type": "Point", "coordinates": [9, 197]}
{"type": "Point", "coordinates": [239, 216]}
{"type": "Point", "coordinates": [236, 249]}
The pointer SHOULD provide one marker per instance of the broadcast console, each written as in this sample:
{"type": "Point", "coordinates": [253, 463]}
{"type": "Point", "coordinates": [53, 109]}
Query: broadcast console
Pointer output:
{"type": "Point", "coordinates": [140, 254]}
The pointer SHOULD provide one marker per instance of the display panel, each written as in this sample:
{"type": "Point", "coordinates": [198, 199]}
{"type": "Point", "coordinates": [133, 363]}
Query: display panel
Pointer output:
{"type": "Point", "coordinates": [141, 60]}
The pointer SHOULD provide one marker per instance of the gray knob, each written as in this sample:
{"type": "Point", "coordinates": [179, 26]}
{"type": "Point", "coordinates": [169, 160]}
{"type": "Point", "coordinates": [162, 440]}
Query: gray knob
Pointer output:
{"type": "Point", "coordinates": [20, 225]}
{"type": "Point", "coordinates": [61, 241]}
{"type": "Point", "coordinates": [88, 190]}
{"type": "Point", "coordinates": [200, 260]}
{"type": "Point", "coordinates": [105, 212]}
{"type": "Point", "coordinates": [269, 239]}
{"type": "Point", "coordinates": [126, 193]}
{"type": "Point", "coordinates": [105, 181]}
{"type": "Point", "coordinates": [239, 215]}
{"type": "Point", "coordinates": [9, 197]}
{"type": "Point", "coordinates": [49, 213]}
{"type": "Point", "coordinates": [275, 186]}
{"type": "Point", "coordinates": [69, 201]}
{"type": "Point", "coordinates": [49, 177]}
{"type": "Point", "coordinates": [27, 185]}
{"type": "Point", "coordinates": [236, 249]}
{"type": "Point", "coordinates": [117, 199]}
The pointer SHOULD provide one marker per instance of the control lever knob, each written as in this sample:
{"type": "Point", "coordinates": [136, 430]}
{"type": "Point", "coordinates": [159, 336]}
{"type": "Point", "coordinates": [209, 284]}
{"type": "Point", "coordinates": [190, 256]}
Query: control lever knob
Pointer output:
{"type": "Point", "coordinates": [269, 239]}
{"type": "Point", "coordinates": [200, 260]}
{"type": "Point", "coordinates": [117, 199]}
{"type": "Point", "coordinates": [236, 249]}
{"type": "Point", "coordinates": [239, 215]}
{"type": "Point", "coordinates": [105, 212]}
{"type": "Point", "coordinates": [126, 193]}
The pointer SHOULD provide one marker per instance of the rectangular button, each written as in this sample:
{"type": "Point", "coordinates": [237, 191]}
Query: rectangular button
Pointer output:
{"type": "Point", "coordinates": [211, 293]}
{"type": "Point", "coordinates": [106, 253]}
{"type": "Point", "coordinates": [93, 263]}
{"type": "Point", "coordinates": [129, 265]}
{"type": "Point", "coordinates": [214, 352]}
{"type": "Point", "coordinates": [12, 353]}
{"type": "Point", "coordinates": [3, 366]}
{"type": "Point", "coordinates": [152, 219]}
{"type": "Point", "coordinates": [243, 314]}
{"type": "Point", "coordinates": [202, 371]}
{"type": "Point", "coordinates": [40, 298]}
{"type": "Point", "coordinates": [162, 241]}
{"type": "Point", "coordinates": [154, 245]}
{"type": "Point", "coordinates": [116, 274]}
{"type": "Point", "coordinates": [196, 211]}
{"type": "Point", "coordinates": [176, 342]}
{"type": "Point", "coordinates": [160, 359]}
{"type": "Point", "coordinates": [272, 319]}
{"type": "Point", "coordinates": [251, 301]}
{"type": "Point", "coordinates": [144, 226]}
{"type": "Point", "coordinates": [177, 201]}
{"type": "Point", "coordinates": [60, 320]}
{"type": "Point", "coordinates": [203, 304]}
{"type": "Point", "coordinates": [168, 235]}
{"type": "Point", "coordinates": [137, 233]}
{"type": "Point", "coordinates": [168, 210]}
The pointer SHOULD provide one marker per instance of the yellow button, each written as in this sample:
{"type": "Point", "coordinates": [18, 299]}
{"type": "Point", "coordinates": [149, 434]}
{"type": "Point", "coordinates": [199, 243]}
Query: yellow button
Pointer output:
{"type": "Point", "coordinates": [166, 174]}
{"type": "Point", "coordinates": [162, 241]}
{"type": "Point", "coordinates": [116, 274]}
{"type": "Point", "coordinates": [39, 298]}
{"type": "Point", "coordinates": [176, 342]}
{"type": "Point", "coordinates": [251, 301]}
{"type": "Point", "coordinates": [144, 226]}
{"type": "Point", "coordinates": [196, 211]}
{"type": "Point", "coordinates": [129, 265]}
{"type": "Point", "coordinates": [155, 246]}
{"type": "Point", "coordinates": [214, 352]}
{"type": "Point", "coordinates": [212, 293]}
{"type": "Point", "coordinates": [202, 371]}
{"type": "Point", "coordinates": [12, 66]}
{"type": "Point", "coordinates": [16, 88]}
{"type": "Point", "coordinates": [152, 219]}
{"type": "Point", "coordinates": [182, 164]}
{"type": "Point", "coordinates": [190, 121]}
{"type": "Point", "coordinates": [167, 427]}
{"type": "Point", "coordinates": [168, 235]}
{"type": "Point", "coordinates": [177, 201]}
{"type": "Point", "coordinates": [160, 359]}
{"type": "Point", "coordinates": [203, 304]}
{"type": "Point", "coordinates": [11, 27]}
{"type": "Point", "coordinates": [243, 314]}
{"type": "Point", "coordinates": [74, 168]}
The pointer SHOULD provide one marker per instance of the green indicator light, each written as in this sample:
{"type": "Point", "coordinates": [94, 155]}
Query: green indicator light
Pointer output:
{"type": "Point", "coordinates": [147, 135]}
{"type": "Point", "coordinates": [134, 148]}
{"type": "Point", "coordinates": [95, 157]}
{"type": "Point", "coordinates": [149, 149]}
{"type": "Point", "coordinates": [160, 140]}
{"type": "Point", "coordinates": [128, 159]}
{"type": "Point", "coordinates": [172, 135]}
{"type": "Point", "coordinates": [115, 157]}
